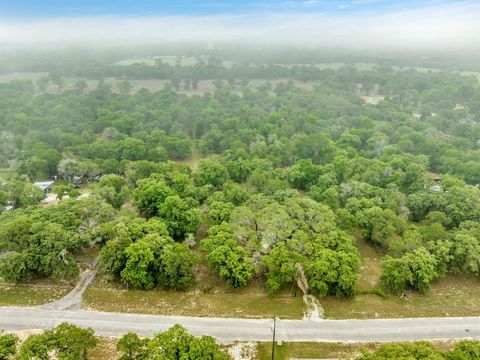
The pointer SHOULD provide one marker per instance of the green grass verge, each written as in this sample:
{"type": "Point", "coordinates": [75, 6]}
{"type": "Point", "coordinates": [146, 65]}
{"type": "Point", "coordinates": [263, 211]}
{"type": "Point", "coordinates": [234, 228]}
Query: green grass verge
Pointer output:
{"type": "Point", "coordinates": [251, 302]}
{"type": "Point", "coordinates": [455, 295]}
{"type": "Point", "coordinates": [30, 294]}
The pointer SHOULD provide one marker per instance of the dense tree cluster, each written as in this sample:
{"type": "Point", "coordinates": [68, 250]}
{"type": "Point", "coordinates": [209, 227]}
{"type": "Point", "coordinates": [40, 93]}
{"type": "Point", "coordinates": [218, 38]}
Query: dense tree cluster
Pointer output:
{"type": "Point", "coordinates": [175, 344]}
{"type": "Point", "coordinates": [64, 342]}
{"type": "Point", "coordinates": [41, 242]}
{"type": "Point", "coordinates": [113, 189]}
{"type": "Point", "coordinates": [8, 345]}
{"type": "Point", "coordinates": [143, 255]}
{"type": "Point", "coordinates": [282, 236]}
{"type": "Point", "coordinates": [17, 192]}
{"type": "Point", "coordinates": [69, 342]}
{"type": "Point", "coordinates": [173, 197]}
{"type": "Point", "coordinates": [289, 173]}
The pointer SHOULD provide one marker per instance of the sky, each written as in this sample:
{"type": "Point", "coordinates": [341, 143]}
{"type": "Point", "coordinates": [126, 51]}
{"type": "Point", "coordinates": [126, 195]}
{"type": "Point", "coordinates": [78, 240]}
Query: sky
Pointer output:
{"type": "Point", "coordinates": [410, 24]}
{"type": "Point", "coordinates": [41, 9]}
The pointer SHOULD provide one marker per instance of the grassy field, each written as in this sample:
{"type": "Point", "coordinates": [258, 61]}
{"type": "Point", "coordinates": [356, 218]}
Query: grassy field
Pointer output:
{"type": "Point", "coordinates": [166, 59]}
{"type": "Point", "coordinates": [203, 86]}
{"type": "Point", "coordinates": [192, 161]}
{"type": "Point", "coordinates": [335, 65]}
{"type": "Point", "coordinates": [370, 267]}
{"type": "Point", "coordinates": [477, 74]}
{"type": "Point", "coordinates": [136, 60]}
{"type": "Point", "coordinates": [208, 296]}
{"type": "Point", "coordinates": [149, 84]}
{"type": "Point", "coordinates": [34, 76]}
{"type": "Point", "coordinates": [171, 60]}
{"type": "Point", "coordinates": [451, 296]}
{"type": "Point", "coordinates": [30, 295]}
{"type": "Point", "coordinates": [251, 302]}
{"type": "Point", "coordinates": [455, 295]}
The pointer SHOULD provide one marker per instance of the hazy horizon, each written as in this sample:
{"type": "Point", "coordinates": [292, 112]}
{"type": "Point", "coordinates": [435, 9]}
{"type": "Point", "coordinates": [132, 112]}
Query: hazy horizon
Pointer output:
{"type": "Point", "coordinates": [355, 24]}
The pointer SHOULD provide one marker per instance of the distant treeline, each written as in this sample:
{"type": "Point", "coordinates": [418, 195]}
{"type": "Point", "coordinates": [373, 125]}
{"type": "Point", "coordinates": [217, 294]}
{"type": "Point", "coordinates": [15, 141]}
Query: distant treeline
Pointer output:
{"type": "Point", "coordinates": [99, 61]}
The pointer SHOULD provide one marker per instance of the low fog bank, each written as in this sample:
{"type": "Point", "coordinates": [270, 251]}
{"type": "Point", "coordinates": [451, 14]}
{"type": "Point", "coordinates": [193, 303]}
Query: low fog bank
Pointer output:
{"type": "Point", "coordinates": [452, 27]}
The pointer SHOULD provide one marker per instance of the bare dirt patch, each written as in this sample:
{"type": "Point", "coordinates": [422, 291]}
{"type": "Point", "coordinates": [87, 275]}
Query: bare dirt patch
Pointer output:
{"type": "Point", "coordinates": [373, 99]}
{"type": "Point", "coordinates": [314, 310]}
{"type": "Point", "coordinates": [243, 351]}
{"type": "Point", "coordinates": [105, 350]}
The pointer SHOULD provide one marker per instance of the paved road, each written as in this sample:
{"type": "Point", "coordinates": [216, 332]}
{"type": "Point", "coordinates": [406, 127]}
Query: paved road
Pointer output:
{"type": "Point", "coordinates": [227, 330]}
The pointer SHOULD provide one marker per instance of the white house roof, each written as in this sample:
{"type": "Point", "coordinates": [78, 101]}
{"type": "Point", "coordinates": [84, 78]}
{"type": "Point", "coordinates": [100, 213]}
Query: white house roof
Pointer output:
{"type": "Point", "coordinates": [44, 185]}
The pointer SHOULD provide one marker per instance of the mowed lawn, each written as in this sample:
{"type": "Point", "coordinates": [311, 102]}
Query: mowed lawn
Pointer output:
{"type": "Point", "coordinates": [30, 294]}
{"type": "Point", "coordinates": [251, 302]}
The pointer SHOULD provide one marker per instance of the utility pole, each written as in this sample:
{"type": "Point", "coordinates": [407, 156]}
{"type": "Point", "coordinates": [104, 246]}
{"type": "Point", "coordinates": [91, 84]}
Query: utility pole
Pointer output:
{"type": "Point", "coordinates": [273, 340]}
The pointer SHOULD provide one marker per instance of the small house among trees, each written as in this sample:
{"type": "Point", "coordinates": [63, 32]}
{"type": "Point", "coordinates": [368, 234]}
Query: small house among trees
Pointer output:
{"type": "Point", "coordinates": [45, 186]}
